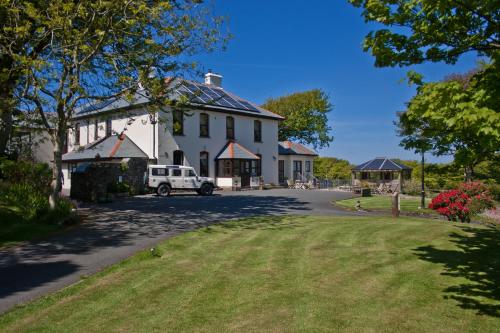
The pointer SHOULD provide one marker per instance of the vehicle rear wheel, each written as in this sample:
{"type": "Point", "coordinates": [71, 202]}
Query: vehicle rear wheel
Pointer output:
{"type": "Point", "coordinates": [163, 190]}
{"type": "Point", "coordinates": [206, 189]}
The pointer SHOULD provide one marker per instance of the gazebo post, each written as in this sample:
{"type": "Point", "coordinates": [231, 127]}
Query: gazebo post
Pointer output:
{"type": "Point", "coordinates": [400, 179]}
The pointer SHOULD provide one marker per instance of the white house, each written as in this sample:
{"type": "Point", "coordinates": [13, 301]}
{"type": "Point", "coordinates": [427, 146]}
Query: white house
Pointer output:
{"type": "Point", "coordinates": [218, 133]}
{"type": "Point", "coordinates": [295, 162]}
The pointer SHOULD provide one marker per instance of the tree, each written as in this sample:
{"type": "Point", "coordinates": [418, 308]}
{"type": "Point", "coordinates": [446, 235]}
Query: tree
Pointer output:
{"type": "Point", "coordinates": [430, 30]}
{"type": "Point", "coordinates": [22, 39]}
{"type": "Point", "coordinates": [458, 116]}
{"type": "Point", "coordinates": [305, 117]}
{"type": "Point", "coordinates": [332, 168]}
{"type": "Point", "coordinates": [100, 50]}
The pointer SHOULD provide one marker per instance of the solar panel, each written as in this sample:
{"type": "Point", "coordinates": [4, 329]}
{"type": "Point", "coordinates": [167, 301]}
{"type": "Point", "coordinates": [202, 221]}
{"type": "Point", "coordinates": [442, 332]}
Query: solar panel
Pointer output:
{"type": "Point", "coordinates": [249, 106]}
{"type": "Point", "coordinates": [97, 106]}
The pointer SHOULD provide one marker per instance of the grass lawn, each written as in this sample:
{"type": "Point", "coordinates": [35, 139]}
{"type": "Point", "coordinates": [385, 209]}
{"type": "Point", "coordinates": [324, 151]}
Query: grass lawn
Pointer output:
{"type": "Point", "coordinates": [379, 202]}
{"type": "Point", "coordinates": [13, 229]}
{"type": "Point", "coordinates": [290, 274]}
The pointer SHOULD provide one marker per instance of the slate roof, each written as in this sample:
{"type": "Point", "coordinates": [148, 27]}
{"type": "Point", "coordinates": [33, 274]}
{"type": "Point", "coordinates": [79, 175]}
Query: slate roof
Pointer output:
{"type": "Point", "coordinates": [381, 164]}
{"type": "Point", "coordinates": [198, 95]}
{"type": "Point", "coordinates": [292, 148]}
{"type": "Point", "coordinates": [111, 147]}
{"type": "Point", "coordinates": [233, 150]}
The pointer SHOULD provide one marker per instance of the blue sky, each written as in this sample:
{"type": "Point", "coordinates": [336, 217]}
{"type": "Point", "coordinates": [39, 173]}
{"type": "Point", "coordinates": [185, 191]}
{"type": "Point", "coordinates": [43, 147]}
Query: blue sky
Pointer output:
{"type": "Point", "coordinates": [281, 47]}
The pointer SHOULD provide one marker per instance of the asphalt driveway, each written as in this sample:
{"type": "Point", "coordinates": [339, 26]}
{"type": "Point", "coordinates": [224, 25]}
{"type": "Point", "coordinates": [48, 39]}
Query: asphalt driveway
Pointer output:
{"type": "Point", "coordinates": [113, 232]}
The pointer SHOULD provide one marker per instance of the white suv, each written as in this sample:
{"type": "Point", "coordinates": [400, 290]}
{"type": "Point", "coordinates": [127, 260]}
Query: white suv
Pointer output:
{"type": "Point", "coordinates": [167, 178]}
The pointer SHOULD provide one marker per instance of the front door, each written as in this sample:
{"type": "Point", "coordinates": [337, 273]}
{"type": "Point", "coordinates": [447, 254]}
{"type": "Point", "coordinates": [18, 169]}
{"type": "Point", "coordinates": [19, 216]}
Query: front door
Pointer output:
{"type": "Point", "coordinates": [245, 167]}
{"type": "Point", "coordinates": [281, 171]}
{"type": "Point", "coordinates": [297, 170]}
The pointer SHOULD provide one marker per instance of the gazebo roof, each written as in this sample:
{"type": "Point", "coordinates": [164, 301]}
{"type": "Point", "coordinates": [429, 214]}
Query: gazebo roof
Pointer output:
{"type": "Point", "coordinates": [381, 164]}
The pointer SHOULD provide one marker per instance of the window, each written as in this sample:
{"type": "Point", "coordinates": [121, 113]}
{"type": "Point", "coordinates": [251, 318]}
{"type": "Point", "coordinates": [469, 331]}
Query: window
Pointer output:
{"type": "Point", "coordinates": [257, 131]}
{"type": "Point", "coordinates": [308, 166]}
{"type": "Point", "coordinates": [386, 175]}
{"type": "Point", "coordinates": [281, 171]}
{"type": "Point", "coordinates": [178, 157]}
{"type": "Point", "coordinates": [297, 170]}
{"type": "Point", "coordinates": [365, 175]}
{"type": "Point", "coordinates": [204, 125]}
{"type": "Point", "coordinates": [189, 173]}
{"type": "Point", "coordinates": [109, 129]}
{"type": "Point", "coordinates": [204, 164]}
{"type": "Point", "coordinates": [176, 172]}
{"type": "Point", "coordinates": [159, 172]}
{"type": "Point", "coordinates": [230, 128]}
{"type": "Point", "coordinates": [96, 129]}
{"type": "Point", "coordinates": [77, 134]}
{"type": "Point", "coordinates": [178, 122]}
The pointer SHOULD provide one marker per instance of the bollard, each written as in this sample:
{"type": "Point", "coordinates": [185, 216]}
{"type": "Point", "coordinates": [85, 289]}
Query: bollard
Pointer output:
{"type": "Point", "coordinates": [395, 204]}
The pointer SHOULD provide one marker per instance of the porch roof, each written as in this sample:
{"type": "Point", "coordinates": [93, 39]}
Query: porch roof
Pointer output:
{"type": "Point", "coordinates": [381, 164]}
{"type": "Point", "coordinates": [111, 147]}
{"type": "Point", "coordinates": [235, 151]}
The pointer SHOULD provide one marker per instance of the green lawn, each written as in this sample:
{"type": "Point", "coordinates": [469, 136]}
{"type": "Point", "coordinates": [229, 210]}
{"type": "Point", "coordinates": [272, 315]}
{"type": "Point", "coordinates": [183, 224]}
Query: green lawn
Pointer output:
{"type": "Point", "coordinates": [290, 274]}
{"type": "Point", "coordinates": [408, 204]}
{"type": "Point", "coordinates": [13, 229]}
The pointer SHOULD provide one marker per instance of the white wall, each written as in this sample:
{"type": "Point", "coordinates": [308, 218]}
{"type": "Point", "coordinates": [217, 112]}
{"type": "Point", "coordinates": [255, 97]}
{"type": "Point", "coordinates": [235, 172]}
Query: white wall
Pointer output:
{"type": "Point", "coordinates": [289, 164]}
{"type": "Point", "coordinates": [192, 144]}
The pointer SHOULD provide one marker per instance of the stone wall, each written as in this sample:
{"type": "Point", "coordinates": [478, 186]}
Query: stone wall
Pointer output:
{"type": "Point", "coordinates": [94, 182]}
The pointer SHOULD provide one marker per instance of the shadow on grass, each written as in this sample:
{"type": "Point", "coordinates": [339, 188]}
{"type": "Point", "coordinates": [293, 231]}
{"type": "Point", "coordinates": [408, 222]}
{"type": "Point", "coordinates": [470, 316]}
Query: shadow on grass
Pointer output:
{"type": "Point", "coordinates": [477, 260]}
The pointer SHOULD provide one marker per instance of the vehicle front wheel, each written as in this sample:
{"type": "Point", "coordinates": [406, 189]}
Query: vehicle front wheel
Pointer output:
{"type": "Point", "coordinates": [206, 189]}
{"type": "Point", "coordinates": [163, 190]}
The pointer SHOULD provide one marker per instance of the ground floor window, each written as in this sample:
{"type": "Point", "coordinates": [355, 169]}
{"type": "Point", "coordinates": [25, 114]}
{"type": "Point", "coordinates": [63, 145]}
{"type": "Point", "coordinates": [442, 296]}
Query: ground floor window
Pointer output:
{"type": "Point", "coordinates": [281, 171]}
{"type": "Point", "coordinates": [178, 157]}
{"type": "Point", "coordinates": [308, 166]}
{"type": "Point", "coordinates": [365, 175]}
{"type": "Point", "coordinates": [297, 170]}
{"type": "Point", "coordinates": [204, 164]}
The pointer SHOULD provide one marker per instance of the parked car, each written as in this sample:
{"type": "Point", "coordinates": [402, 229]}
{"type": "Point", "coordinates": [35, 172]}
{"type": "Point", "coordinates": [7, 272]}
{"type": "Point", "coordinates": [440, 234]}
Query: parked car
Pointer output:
{"type": "Point", "coordinates": [167, 178]}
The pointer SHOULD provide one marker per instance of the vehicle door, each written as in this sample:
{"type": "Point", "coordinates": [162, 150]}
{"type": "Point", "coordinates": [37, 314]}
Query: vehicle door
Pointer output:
{"type": "Point", "coordinates": [176, 178]}
{"type": "Point", "coordinates": [190, 179]}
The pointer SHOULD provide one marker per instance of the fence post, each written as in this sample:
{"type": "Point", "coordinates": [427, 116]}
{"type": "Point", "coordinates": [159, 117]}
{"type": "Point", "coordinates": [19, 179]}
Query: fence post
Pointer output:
{"type": "Point", "coordinates": [395, 204]}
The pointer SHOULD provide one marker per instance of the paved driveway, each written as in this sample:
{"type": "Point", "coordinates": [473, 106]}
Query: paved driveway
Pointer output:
{"type": "Point", "coordinates": [115, 231]}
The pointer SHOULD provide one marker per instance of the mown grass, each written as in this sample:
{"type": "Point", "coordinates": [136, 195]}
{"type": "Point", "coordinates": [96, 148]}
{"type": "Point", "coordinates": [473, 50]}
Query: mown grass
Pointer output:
{"type": "Point", "coordinates": [384, 203]}
{"type": "Point", "coordinates": [14, 229]}
{"type": "Point", "coordinates": [290, 274]}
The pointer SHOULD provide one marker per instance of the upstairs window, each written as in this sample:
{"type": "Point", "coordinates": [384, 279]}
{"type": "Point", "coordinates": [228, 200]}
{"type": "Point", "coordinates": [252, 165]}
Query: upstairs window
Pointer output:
{"type": "Point", "coordinates": [230, 128]}
{"type": "Point", "coordinates": [257, 131]}
{"type": "Point", "coordinates": [204, 125]}
{"type": "Point", "coordinates": [178, 122]}
{"type": "Point", "coordinates": [109, 129]}
{"type": "Point", "coordinates": [77, 134]}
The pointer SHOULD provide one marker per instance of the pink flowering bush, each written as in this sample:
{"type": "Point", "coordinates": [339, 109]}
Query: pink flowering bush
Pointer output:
{"type": "Point", "coordinates": [461, 204]}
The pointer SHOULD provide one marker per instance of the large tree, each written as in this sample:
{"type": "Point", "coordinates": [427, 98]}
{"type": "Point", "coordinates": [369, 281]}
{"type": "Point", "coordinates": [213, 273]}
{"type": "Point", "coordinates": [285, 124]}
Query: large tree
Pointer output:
{"type": "Point", "coordinates": [332, 168]}
{"type": "Point", "coordinates": [102, 49]}
{"type": "Point", "coordinates": [305, 115]}
{"type": "Point", "coordinates": [459, 116]}
{"type": "Point", "coordinates": [430, 30]}
{"type": "Point", "coordinates": [22, 40]}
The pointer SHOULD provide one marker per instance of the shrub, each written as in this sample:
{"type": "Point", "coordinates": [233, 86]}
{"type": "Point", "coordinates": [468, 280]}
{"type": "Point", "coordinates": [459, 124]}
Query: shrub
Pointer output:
{"type": "Point", "coordinates": [462, 203]}
{"type": "Point", "coordinates": [25, 199]}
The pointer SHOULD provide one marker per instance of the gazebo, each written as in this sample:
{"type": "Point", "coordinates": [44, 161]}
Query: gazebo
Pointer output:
{"type": "Point", "coordinates": [381, 170]}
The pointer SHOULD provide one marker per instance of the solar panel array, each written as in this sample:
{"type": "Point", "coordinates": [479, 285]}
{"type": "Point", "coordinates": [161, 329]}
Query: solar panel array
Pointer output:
{"type": "Point", "coordinates": [202, 94]}
{"type": "Point", "coordinates": [96, 106]}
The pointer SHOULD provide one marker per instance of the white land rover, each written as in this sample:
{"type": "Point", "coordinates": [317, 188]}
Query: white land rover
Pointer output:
{"type": "Point", "coordinates": [167, 178]}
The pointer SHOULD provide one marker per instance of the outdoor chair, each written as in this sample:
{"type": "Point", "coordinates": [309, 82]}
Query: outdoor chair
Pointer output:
{"type": "Point", "coordinates": [380, 189]}
{"type": "Point", "coordinates": [290, 183]}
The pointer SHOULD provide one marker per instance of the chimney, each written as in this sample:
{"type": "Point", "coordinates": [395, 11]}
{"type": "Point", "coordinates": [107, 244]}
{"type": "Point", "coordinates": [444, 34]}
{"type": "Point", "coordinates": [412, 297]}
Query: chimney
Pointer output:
{"type": "Point", "coordinates": [213, 79]}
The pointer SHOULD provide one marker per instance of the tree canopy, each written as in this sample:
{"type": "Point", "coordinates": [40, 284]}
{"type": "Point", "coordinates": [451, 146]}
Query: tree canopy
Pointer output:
{"type": "Point", "coordinates": [458, 116]}
{"type": "Point", "coordinates": [430, 30]}
{"type": "Point", "coordinates": [96, 50]}
{"type": "Point", "coordinates": [305, 115]}
{"type": "Point", "coordinates": [332, 168]}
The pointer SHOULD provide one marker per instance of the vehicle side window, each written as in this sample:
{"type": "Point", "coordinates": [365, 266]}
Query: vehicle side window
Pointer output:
{"type": "Point", "coordinates": [159, 172]}
{"type": "Point", "coordinates": [190, 173]}
{"type": "Point", "coordinates": [176, 172]}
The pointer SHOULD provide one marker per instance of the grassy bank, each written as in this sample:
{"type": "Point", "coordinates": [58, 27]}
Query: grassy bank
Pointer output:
{"type": "Point", "coordinates": [384, 203]}
{"type": "Point", "coordinates": [290, 274]}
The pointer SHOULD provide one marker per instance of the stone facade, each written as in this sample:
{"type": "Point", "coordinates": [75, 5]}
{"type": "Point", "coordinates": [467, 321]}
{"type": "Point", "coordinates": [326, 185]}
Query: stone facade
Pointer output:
{"type": "Point", "coordinates": [94, 183]}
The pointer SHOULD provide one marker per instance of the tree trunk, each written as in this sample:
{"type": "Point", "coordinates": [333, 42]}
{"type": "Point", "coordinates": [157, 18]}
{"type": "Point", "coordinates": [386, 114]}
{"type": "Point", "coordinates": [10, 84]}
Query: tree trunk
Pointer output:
{"type": "Point", "coordinates": [469, 173]}
{"type": "Point", "coordinates": [56, 184]}
{"type": "Point", "coordinates": [6, 105]}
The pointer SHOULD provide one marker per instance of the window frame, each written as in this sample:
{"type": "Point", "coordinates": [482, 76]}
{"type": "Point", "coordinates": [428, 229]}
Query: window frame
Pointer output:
{"type": "Point", "coordinates": [176, 114]}
{"type": "Point", "coordinates": [308, 166]}
{"type": "Point", "coordinates": [204, 127]}
{"type": "Point", "coordinates": [257, 130]}
{"type": "Point", "coordinates": [181, 157]}
{"type": "Point", "coordinates": [96, 129]}
{"type": "Point", "coordinates": [203, 172]}
{"type": "Point", "coordinates": [230, 128]}
{"type": "Point", "coordinates": [109, 127]}
{"type": "Point", "coordinates": [77, 134]}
